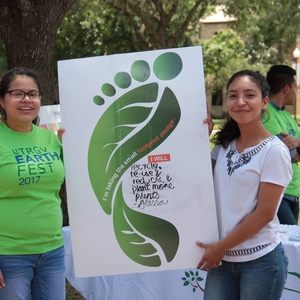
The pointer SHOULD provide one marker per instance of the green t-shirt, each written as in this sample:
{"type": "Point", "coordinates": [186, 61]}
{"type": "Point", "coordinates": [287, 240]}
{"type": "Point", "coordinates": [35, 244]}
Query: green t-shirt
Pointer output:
{"type": "Point", "coordinates": [31, 172]}
{"type": "Point", "coordinates": [282, 121]}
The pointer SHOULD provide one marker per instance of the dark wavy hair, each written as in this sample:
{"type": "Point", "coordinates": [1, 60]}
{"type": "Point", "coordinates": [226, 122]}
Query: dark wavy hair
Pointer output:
{"type": "Point", "coordinates": [7, 78]}
{"type": "Point", "coordinates": [230, 130]}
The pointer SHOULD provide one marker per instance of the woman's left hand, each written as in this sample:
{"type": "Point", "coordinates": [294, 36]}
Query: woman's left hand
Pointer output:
{"type": "Point", "coordinates": [210, 124]}
{"type": "Point", "coordinates": [209, 120]}
{"type": "Point", "coordinates": [212, 257]}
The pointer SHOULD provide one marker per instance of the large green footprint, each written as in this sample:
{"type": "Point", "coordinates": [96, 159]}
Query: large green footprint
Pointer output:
{"type": "Point", "coordinates": [113, 148]}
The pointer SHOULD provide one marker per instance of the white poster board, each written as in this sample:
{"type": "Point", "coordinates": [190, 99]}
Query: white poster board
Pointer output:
{"type": "Point", "coordinates": [49, 117]}
{"type": "Point", "coordinates": [137, 157]}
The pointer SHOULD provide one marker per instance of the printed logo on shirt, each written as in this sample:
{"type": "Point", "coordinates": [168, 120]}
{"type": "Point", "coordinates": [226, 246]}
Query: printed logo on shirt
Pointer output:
{"type": "Point", "coordinates": [33, 162]}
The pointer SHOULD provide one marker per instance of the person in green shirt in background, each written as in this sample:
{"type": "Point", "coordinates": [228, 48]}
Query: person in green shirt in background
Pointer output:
{"type": "Point", "coordinates": [281, 79]}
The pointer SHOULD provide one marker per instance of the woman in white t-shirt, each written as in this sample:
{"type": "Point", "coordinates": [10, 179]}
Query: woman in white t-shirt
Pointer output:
{"type": "Point", "coordinates": [251, 171]}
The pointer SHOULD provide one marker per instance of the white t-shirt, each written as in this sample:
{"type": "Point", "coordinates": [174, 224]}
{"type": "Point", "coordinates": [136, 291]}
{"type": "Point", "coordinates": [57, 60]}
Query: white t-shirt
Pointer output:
{"type": "Point", "coordinates": [236, 182]}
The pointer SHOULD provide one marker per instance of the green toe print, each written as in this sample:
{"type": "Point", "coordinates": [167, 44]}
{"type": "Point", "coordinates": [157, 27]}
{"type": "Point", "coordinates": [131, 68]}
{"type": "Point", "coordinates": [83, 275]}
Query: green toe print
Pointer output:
{"type": "Point", "coordinates": [108, 89]}
{"type": "Point", "coordinates": [167, 66]}
{"type": "Point", "coordinates": [132, 121]}
{"type": "Point", "coordinates": [140, 70]}
{"type": "Point", "coordinates": [123, 80]}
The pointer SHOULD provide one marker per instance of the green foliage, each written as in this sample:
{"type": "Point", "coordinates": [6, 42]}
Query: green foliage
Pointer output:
{"type": "Point", "coordinates": [90, 30]}
{"type": "Point", "coordinates": [162, 24]}
{"type": "Point", "coordinates": [262, 33]}
{"type": "Point", "coordinates": [220, 49]}
{"type": "Point", "coordinates": [93, 28]}
{"type": "Point", "coordinates": [270, 27]}
{"type": "Point", "coordinates": [111, 26]}
{"type": "Point", "coordinates": [223, 55]}
{"type": "Point", "coordinates": [99, 27]}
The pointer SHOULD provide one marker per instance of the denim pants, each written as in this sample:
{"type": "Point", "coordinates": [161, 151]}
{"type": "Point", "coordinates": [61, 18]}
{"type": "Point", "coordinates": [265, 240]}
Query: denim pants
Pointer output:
{"type": "Point", "coordinates": [288, 212]}
{"type": "Point", "coordinates": [260, 279]}
{"type": "Point", "coordinates": [39, 276]}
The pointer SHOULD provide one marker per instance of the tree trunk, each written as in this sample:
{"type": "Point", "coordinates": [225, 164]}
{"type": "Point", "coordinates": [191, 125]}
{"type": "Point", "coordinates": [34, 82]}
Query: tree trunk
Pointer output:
{"type": "Point", "coordinates": [28, 29]}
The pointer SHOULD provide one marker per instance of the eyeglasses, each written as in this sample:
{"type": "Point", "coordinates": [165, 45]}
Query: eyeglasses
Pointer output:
{"type": "Point", "coordinates": [19, 95]}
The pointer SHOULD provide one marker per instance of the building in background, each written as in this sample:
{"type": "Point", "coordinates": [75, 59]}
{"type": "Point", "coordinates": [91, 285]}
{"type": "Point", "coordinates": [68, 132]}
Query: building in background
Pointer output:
{"type": "Point", "coordinates": [220, 21]}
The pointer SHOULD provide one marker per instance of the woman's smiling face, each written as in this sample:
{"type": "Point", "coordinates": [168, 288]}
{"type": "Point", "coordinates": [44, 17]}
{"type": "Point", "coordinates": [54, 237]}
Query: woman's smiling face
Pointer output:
{"type": "Point", "coordinates": [244, 100]}
{"type": "Point", "coordinates": [21, 113]}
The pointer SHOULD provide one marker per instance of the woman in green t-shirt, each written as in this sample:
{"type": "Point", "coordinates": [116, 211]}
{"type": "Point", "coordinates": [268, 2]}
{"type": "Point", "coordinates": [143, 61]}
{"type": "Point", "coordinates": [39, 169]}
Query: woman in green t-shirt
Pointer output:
{"type": "Point", "coordinates": [31, 172]}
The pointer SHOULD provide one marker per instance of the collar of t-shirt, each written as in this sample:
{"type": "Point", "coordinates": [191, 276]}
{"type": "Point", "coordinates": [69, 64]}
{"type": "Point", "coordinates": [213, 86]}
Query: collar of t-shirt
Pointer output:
{"type": "Point", "coordinates": [276, 105]}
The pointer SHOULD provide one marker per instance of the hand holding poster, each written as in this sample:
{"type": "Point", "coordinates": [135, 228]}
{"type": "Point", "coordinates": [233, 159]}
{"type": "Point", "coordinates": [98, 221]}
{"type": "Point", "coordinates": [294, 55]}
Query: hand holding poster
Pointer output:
{"type": "Point", "coordinates": [137, 161]}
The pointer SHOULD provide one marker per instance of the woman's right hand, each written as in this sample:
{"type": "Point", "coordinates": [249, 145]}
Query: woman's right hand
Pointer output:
{"type": "Point", "coordinates": [212, 257]}
{"type": "Point", "coordinates": [2, 284]}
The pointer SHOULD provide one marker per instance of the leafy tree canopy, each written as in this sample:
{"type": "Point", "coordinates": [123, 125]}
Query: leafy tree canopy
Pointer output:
{"type": "Point", "coordinates": [112, 26]}
{"type": "Point", "coordinates": [163, 23]}
{"type": "Point", "coordinates": [90, 30]}
{"type": "Point", "coordinates": [223, 55]}
{"type": "Point", "coordinates": [269, 27]}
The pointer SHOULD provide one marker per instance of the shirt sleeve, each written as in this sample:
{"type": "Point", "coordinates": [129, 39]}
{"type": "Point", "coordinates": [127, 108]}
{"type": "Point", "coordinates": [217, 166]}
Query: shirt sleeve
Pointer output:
{"type": "Point", "coordinates": [215, 152]}
{"type": "Point", "coordinates": [277, 167]}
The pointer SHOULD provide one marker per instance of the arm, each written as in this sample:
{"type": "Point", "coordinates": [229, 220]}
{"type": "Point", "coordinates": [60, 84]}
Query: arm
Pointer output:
{"type": "Point", "coordinates": [278, 125]}
{"type": "Point", "coordinates": [268, 197]}
{"type": "Point", "coordinates": [2, 284]}
{"type": "Point", "coordinates": [296, 157]}
{"type": "Point", "coordinates": [292, 142]}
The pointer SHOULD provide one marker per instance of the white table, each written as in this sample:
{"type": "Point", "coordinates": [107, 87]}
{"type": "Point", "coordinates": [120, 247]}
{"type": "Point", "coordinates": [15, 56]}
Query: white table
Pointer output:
{"type": "Point", "coordinates": [169, 285]}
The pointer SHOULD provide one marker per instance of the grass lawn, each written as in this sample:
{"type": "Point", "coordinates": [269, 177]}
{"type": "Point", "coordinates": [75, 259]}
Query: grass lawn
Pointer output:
{"type": "Point", "coordinates": [71, 293]}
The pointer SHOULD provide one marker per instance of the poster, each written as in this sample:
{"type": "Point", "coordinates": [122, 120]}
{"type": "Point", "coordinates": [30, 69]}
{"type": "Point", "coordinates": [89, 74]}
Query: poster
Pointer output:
{"type": "Point", "coordinates": [49, 117]}
{"type": "Point", "coordinates": [137, 157]}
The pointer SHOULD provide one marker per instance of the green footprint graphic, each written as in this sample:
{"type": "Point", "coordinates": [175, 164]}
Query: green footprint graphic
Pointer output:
{"type": "Point", "coordinates": [128, 130]}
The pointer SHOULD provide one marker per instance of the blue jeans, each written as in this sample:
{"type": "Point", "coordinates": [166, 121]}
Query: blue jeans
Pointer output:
{"type": "Point", "coordinates": [39, 276]}
{"type": "Point", "coordinates": [260, 279]}
{"type": "Point", "coordinates": [288, 212]}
